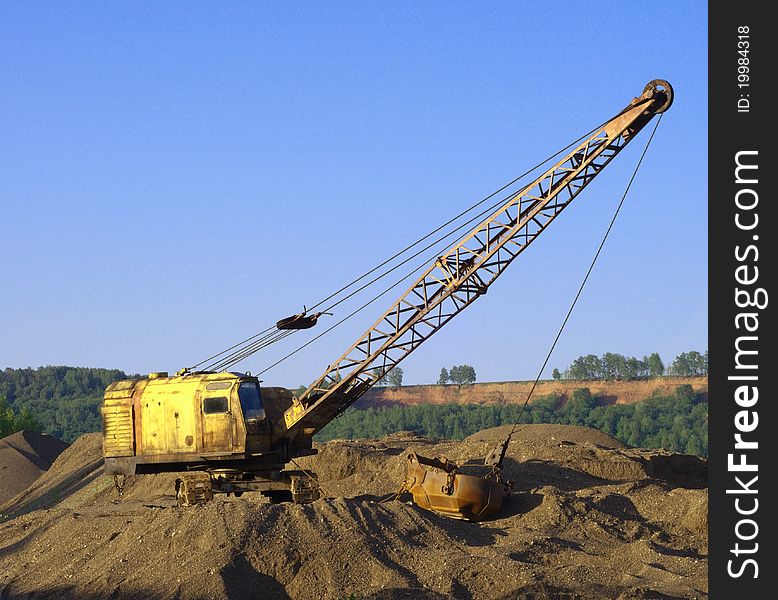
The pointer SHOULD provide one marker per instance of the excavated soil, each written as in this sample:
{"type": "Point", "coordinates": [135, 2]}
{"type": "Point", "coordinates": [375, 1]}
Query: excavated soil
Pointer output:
{"type": "Point", "coordinates": [25, 456]}
{"type": "Point", "coordinates": [513, 392]}
{"type": "Point", "coordinates": [589, 518]}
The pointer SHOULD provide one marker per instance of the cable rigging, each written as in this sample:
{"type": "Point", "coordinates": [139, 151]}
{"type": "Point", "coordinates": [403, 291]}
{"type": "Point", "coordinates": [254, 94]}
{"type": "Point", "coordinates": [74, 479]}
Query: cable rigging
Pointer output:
{"type": "Point", "coordinates": [504, 446]}
{"type": "Point", "coordinates": [240, 351]}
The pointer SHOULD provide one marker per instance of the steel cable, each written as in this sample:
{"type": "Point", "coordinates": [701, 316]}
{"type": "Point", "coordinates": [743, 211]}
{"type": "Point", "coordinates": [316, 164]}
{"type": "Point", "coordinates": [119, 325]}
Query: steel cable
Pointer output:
{"type": "Point", "coordinates": [585, 279]}
{"type": "Point", "coordinates": [245, 348]}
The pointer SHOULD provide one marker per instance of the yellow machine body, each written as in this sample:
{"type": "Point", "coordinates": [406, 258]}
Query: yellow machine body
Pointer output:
{"type": "Point", "coordinates": [192, 418]}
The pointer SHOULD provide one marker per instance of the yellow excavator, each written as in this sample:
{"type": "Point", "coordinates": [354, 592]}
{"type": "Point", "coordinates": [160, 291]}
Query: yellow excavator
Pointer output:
{"type": "Point", "coordinates": [225, 434]}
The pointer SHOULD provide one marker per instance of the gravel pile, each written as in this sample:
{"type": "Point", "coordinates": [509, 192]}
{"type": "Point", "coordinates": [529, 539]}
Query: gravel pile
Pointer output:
{"type": "Point", "coordinates": [589, 519]}
{"type": "Point", "coordinates": [25, 456]}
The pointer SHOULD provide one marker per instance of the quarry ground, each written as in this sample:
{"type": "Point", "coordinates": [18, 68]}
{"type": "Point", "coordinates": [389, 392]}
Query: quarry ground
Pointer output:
{"type": "Point", "coordinates": [589, 518]}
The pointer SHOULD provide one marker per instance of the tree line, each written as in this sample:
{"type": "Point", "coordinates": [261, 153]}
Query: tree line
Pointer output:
{"type": "Point", "coordinates": [612, 366]}
{"type": "Point", "coordinates": [11, 421]}
{"type": "Point", "coordinates": [63, 401]}
{"type": "Point", "coordinates": [459, 374]}
{"type": "Point", "coordinates": [677, 422]}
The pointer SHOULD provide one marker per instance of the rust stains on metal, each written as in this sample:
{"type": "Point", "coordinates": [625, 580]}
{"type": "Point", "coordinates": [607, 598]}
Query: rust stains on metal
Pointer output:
{"type": "Point", "coordinates": [438, 485]}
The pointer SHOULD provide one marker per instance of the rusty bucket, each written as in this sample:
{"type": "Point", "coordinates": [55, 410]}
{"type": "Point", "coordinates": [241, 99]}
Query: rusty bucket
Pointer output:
{"type": "Point", "coordinates": [437, 485]}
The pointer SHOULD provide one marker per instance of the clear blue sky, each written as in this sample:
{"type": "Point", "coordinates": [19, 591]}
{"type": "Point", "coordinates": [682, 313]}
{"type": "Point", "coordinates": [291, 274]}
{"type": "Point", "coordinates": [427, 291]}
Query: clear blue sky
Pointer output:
{"type": "Point", "coordinates": [176, 176]}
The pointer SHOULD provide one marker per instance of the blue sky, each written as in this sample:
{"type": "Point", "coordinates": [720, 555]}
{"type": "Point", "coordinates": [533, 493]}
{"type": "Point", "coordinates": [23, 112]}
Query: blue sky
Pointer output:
{"type": "Point", "coordinates": [177, 176]}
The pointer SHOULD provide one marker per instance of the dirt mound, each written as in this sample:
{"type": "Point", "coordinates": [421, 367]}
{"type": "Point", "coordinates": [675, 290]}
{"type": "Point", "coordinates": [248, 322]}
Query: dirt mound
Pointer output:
{"type": "Point", "coordinates": [78, 466]}
{"type": "Point", "coordinates": [571, 530]}
{"type": "Point", "coordinates": [24, 456]}
{"type": "Point", "coordinates": [546, 433]}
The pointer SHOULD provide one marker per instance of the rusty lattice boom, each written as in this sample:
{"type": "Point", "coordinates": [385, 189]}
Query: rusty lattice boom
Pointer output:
{"type": "Point", "coordinates": [468, 268]}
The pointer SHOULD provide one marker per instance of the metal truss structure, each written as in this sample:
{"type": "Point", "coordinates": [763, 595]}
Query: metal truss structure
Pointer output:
{"type": "Point", "coordinates": [465, 272]}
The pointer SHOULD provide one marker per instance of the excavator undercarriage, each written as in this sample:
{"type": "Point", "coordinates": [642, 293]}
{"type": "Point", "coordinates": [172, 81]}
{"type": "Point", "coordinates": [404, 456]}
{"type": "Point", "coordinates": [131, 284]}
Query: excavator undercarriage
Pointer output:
{"type": "Point", "coordinates": [198, 487]}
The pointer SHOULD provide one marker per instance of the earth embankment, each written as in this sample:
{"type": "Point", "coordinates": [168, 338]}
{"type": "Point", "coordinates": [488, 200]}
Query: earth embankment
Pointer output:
{"type": "Point", "coordinates": [589, 518]}
{"type": "Point", "coordinates": [612, 392]}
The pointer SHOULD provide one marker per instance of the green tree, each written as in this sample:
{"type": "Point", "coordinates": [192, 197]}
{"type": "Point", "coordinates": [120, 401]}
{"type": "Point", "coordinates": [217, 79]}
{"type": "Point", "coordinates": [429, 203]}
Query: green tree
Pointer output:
{"type": "Point", "coordinates": [556, 374]}
{"type": "Point", "coordinates": [26, 421]}
{"type": "Point", "coordinates": [65, 401]}
{"type": "Point", "coordinates": [656, 367]}
{"type": "Point", "coordinates": [635, 368]}
{"type": "Point", "coordinates": [677, 422]}
{"type": "Point", "coordinates": [690, 364]}
{"type": "Point", "coordinates": [462, 374]}
{"type": "Point", "coordinates": [7, 418]}
{"type": "Point", "coordinates": [586, 367]}
{"type": "Point", "coordinates": [613, 366]}
{"type": "Point", "coordinates": [394, 378]}
{"type": "Point", "coordinates": [577, 409]}
{"type": "Point", "coordinates": [699, 363]}
{"type": "Point", "coordinates": [443, 378]}
{"type": "Point", "coordinates": [11, 422]}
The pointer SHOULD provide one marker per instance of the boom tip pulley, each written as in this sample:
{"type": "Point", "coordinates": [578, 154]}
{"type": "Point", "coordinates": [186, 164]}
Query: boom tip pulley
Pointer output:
{"type": "Point", "coordinates": [662, 90]}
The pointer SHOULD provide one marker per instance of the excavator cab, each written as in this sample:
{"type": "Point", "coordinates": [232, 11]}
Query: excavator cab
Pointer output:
{"type": "Point", "coordinates": [252, 407]}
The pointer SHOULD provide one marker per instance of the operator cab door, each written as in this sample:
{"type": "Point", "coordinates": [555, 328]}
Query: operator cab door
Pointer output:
{"type": "Point", "coordinates": [217, 417]}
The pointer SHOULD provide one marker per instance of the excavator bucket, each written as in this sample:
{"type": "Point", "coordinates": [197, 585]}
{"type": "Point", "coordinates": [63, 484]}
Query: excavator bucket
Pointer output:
{"type": "Point", "coordinates": [437, 485]}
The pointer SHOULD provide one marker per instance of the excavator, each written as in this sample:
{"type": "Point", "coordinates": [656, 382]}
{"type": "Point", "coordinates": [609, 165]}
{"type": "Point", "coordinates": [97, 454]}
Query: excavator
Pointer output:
{"type": "Point", "coordinates": [223, 433]}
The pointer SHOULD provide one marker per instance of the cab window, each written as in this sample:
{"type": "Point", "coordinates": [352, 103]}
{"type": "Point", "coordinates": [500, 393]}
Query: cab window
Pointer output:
{"type": "Point", "coordinates": [218, 385]}
{"type": "Point", "coordinates": [217, 405]}
{"type": "Point", "coordinates": [250, 401]}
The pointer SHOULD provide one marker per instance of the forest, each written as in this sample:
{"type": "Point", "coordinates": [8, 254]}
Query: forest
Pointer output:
{"type": "Point", "coordinates": [613, 366]}
{"type": "Point", "coordinates": [64, 401]}
{"type": "Point", "coordinates": [678, 422]}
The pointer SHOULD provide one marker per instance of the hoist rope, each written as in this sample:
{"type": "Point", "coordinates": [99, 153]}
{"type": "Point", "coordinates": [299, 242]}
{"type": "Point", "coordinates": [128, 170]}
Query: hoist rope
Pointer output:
{"type": "Point", "coordinates": [425, 263]}
{"type": "Point", "coordinates": [344, 319]}
{"type": "Point", "coordinates": [251, 349]}
{"type": "Point", "coordinates": [453, 219]}
{"type": "Point", "coordinates": [256, 335]}
{"type": "Point", "coordinates": [446, 224]}
{"type": "Point", "coordinates": [227, 362]}
{"type": "Point", "coordinates": [585, 279]}
{"type": "Point", "coordinates": [256, 345]}
{"type": "Point", "coordinates": [245, 348]}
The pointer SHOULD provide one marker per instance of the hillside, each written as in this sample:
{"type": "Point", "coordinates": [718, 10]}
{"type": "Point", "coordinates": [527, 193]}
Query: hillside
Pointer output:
{"type": "Point", "coordinates": [24, 457]}
{"type": "Point", "coordinates": [63, 400]}
{"type": "Point", "coordinates": [589, 519]}
{"type": "Point", "coordinates": [511, 392]}
{"type": "Point", "coordinates": [676, 421]}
